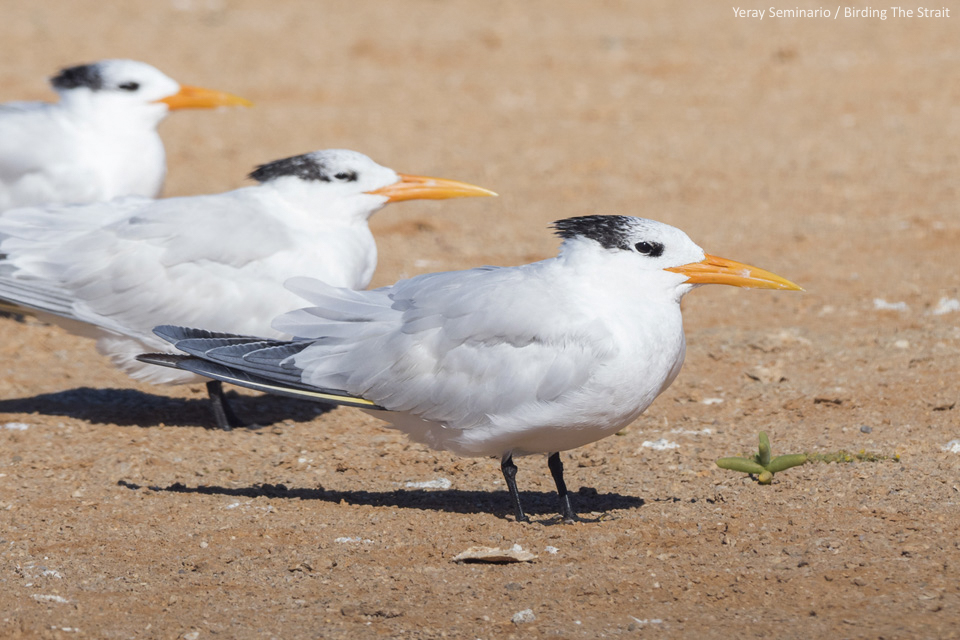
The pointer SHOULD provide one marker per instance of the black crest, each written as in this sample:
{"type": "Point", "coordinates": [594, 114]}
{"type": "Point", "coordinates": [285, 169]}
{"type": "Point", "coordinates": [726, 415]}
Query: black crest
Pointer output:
{"type": "Point", "coordinates": [612, 232]}
{"type": "Point", "coordinates": [85, 75]}
{"type": "Point", "coordinates": [305, 167]}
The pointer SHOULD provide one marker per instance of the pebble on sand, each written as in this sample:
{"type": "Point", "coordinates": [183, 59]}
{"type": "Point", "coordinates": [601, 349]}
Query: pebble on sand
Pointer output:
{"type": "Point", "coordinates": [494, 555]}
{"type": "Point", "coordinates": [521, 617]}
{"type": "Point", "coordinates": [659, 445]}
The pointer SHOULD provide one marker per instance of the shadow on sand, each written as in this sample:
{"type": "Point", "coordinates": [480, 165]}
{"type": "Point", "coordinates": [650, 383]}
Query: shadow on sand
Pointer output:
{"type": "Point", "coordinates": [130, 407]}
{"type": "Point", "coordinates": [450, 500]}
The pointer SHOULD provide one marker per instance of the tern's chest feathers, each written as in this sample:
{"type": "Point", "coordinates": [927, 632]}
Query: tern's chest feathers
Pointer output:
{"type": "Point", "coordinates": [127, 162]}
{"type": "Point", "coordinates": [649, 351]}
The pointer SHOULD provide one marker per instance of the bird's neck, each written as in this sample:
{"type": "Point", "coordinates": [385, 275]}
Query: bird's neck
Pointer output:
{"type": "Point", "coordinates": [309, 205]}
{"type": "Point", "coordinates": [616, 274]}
{"type": "Point", "coordinates": [109, 113]}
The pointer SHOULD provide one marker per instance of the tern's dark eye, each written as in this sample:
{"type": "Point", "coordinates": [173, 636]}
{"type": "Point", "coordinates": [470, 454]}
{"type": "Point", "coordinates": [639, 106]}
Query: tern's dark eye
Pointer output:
{"type": "Point", "coordinates": [347, 176]}
{"type": "Point", "coordinates": [129, 86]}
{"type": "Point", "coordinates": [652, 249]}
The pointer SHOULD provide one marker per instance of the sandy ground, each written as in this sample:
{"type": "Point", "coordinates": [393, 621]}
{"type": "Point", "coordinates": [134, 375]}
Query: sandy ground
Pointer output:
{"type": "Point", "coordinates": [825, 150]}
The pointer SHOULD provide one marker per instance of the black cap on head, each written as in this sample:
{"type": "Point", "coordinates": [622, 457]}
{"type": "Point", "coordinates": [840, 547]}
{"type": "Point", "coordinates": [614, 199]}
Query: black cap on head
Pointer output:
{"type": "Point", "coordinates": [305, 167]}
{"type": "Point", "coordinates": [612, 232]}
{"type": "Point", "coordinates": [85, 75]}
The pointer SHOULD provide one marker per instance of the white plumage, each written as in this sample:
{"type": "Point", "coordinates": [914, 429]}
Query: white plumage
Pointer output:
{"type": "Point", "coordinates": [113, 271]}
{"type": "Point", "coordinates": [99, 141]}
{"type": "Point", "coordinates": [538, 358]}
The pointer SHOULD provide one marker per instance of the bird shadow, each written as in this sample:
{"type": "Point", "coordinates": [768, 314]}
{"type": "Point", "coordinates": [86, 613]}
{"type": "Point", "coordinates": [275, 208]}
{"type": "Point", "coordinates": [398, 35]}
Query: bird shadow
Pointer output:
{"type": "Point", "coordinates": [449, 500]}
{"type": "Point", "coordinates": [130, 407]}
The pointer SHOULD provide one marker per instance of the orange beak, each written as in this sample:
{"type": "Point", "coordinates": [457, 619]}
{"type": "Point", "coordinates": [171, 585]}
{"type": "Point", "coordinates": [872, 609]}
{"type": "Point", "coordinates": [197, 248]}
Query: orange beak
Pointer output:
{"type": "Point", "coordinates": [714, 270]}
{"type": "Point", "coordinates": [200, 98]}
{"type": "Point", "coordinates": [423, 188]}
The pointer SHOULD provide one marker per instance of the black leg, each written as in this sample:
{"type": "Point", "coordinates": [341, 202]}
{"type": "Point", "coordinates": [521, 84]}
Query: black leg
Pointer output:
{"type": "Point", "coordinates": [510, 475]}
{"type": "Point", "coordinates": [226, 419]}
{"type": "Point", "coordinates": [556, 470]}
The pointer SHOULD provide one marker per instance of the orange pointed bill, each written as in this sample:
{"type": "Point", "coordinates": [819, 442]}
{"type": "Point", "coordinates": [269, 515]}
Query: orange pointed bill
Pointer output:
{"type": "Point", "coordinates": [200, 98]}
{"type": "Point", "coordinates": [714, 270]}
{"type": "Point", "coordinates": [424, 188]}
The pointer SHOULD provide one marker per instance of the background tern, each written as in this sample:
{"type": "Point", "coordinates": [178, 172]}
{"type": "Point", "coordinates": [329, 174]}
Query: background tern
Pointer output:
{"type": "Point", "coordinates": [495, 361]}
{"type": "Point", "coordinates": [99, 141]}
{"type": "Point", "coordinates": [113, 271]}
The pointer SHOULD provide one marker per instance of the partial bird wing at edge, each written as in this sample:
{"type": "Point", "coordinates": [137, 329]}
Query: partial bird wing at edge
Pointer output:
{"type": "Point", "coordinates": [127, 265]}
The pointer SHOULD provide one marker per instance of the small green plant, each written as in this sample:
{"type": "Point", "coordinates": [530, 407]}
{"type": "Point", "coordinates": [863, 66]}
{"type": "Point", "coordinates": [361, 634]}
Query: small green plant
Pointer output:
{"type": "Point", "coordinates": [761, 465]}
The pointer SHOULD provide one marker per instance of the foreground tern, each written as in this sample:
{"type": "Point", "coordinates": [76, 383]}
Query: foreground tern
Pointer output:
{"type": "Point", "coordinates": [99, 141]}
{"type": "Point", "coordinates": [506, 361]}
{"type": "Point", "coordinates": [115, 270]}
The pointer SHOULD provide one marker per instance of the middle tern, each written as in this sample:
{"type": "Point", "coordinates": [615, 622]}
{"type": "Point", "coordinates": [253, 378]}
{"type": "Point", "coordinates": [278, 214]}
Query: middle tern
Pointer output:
{"type": "Point", "coordinates": [495, 361]}
{"type": "Point", "coordinates": [113, 271]}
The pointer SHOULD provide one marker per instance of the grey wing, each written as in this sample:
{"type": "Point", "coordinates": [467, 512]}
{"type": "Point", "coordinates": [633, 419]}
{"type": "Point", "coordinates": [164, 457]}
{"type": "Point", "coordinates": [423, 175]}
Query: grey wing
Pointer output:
{"type": "Point", "coordinates": [254, 363]}
{"type": "Point", "coordinates": [148, 262]}
{"type": "Point", "coordinates": [29, 234]}
{"type": "Point", "coordinates": [453, 347]}
{"type": "Point", "coordinates": [32, 296]}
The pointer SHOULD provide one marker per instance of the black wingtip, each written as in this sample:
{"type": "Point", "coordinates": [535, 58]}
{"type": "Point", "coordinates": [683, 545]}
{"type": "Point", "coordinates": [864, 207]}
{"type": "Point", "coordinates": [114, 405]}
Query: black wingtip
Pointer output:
{"type": "Point", "coordinates": [240, 378]}
{"type": "Point", "coordinates": [171, 360]}
{"type": "Point", "coordinates": [170, 333]}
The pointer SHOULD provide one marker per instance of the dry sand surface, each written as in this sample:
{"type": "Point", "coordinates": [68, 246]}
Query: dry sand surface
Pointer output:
{"type": "Point", "coordinates": [826, 150]}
